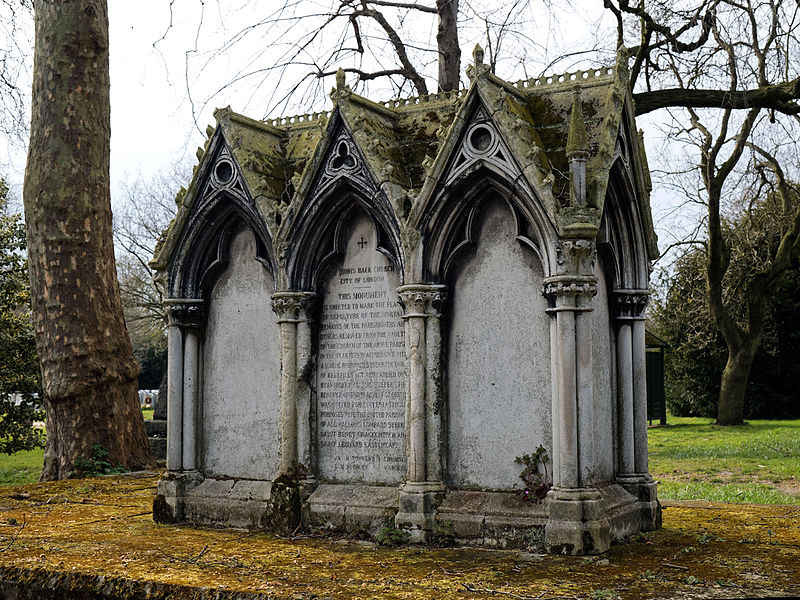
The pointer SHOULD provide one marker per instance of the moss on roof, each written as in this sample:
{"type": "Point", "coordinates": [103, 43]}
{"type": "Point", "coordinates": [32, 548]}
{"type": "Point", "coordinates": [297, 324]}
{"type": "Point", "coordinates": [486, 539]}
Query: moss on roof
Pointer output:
{"type": "Point", "coordinates": [401, 140]}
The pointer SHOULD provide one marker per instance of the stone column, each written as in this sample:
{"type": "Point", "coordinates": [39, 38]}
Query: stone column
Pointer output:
{"type": "Point", "coordinates": [421, 491]}
{"type": "Point", "coordinates": [290, 306]}
{"type": "Point", "coordinates": [633, 472]}
{"type": "Point", "coordinates": [576, 522]}
{"type": "Point", "coordinates": [191, 378]}
{"type": "Point", "coordinates": [183, 363]}
{"type": "Point", "coordinates": [174, 386]}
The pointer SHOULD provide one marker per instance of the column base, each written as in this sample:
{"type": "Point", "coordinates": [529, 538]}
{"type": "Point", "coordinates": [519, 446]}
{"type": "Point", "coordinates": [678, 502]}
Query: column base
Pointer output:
{"type": "Point", "coordinates": [576, 522]}
{"type": "Point", "coordinates": [417, 508]}
{"type": "Point", "coordinates": [642, 487]}
{"type": "Point", "coordinates": [172, 489]}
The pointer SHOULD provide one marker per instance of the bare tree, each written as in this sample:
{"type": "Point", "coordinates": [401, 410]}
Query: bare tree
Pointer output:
{"type": "Point", "coordinates": [15, 18]}
{"type": "Point", "coordinates": [88, 370]}
{"type": "Point", "coordinates": [144, 212]}
{"type": "Point", "coordinates": [732, 66]}
{"type": "Point", "coordinates": [410, 47]}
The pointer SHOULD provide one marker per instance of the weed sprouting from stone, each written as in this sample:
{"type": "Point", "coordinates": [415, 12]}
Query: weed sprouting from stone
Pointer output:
{"type": "Point", "coordinates": [536, 482]}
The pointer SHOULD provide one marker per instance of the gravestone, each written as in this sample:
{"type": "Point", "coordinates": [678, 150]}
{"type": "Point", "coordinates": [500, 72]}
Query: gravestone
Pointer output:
{"type": "Point", "coordinates": [361, 367]}
{"type": "Point", "coordinates": [376, 311]}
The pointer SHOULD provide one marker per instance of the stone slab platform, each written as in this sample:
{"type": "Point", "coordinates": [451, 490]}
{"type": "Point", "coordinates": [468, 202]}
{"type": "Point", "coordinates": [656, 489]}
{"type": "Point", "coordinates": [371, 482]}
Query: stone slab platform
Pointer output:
{"type": "Point", "coordinates": [95, 538]}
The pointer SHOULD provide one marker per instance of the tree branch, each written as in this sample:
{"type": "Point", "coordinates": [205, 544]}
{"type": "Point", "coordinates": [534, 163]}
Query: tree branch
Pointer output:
{"type": "Point", "coordinates": [780, 97]}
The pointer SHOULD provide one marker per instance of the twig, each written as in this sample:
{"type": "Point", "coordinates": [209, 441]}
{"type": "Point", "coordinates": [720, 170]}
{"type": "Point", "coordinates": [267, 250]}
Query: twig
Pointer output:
{"type": "Point", "coordinates": [16, 535]}
{"type": "Point", "coordinates": [680, 567]}
{"type": "Point", "coordinates": [491, 592]}
{"type": "Point", "coordinates": [189, 561]}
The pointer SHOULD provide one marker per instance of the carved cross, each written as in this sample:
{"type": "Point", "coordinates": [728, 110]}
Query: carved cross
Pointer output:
{"type": "Point", "coordinates": [362, 243]}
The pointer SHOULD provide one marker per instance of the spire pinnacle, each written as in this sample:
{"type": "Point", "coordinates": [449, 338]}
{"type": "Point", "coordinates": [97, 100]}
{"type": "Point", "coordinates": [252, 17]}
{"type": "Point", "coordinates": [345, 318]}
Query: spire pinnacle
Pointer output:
{"type": "Point", "coordinates": [576, 137]}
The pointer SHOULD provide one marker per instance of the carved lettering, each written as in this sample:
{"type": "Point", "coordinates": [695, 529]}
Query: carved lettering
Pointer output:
{"type": "Point", "coordinates": [360, 370]}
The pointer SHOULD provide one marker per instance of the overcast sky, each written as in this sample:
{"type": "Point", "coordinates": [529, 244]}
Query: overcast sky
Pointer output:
{"type": "Point", "coordinates": [153, 116]}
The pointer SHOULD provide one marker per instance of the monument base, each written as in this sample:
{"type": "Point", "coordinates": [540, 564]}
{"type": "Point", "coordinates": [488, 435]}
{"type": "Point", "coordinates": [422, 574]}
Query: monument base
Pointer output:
{"type": "Point", "coordinates": [417, 509]}
{"type": "Point", "coordinates": [492, 519]}
{"type": "Point", "coordinates": [352, 508]}
{"type": "Point", "coordinates": [168, 505]}
{"type": "Point", "coordinates": [586, 520]}
{"type": "Point", "coordinates": [642, 486]}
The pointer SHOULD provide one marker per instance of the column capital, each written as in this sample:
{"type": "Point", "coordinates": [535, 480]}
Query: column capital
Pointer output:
{"type": "Point", "coordinates": [293, 306]}
{"type": "Point", "coordinates": [422, 300]}
{"type": "Point", "coordinates": [569, 292]}
{"type": "Point", "coordinates": [186, 313]}
{"type": "Point", "coordinates": [629, 305]}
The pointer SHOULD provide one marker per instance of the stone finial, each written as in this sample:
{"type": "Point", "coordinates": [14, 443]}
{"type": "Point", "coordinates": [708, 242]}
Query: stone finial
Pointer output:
{"type": "Point", "coordinates": [477, 55]}
{"type": "Point", "coordinates": [342, 91]}
{"type": "Point", "coordinates": [477, 68]}
{"type": "Point", "coordinates": [576, 137]}
{"type": "Point", "coordinates": [577, 152]}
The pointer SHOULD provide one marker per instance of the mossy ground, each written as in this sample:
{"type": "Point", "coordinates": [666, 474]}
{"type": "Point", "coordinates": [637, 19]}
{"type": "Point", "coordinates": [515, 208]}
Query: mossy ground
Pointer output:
{"type": "Point", "coordinates": [104, 526]}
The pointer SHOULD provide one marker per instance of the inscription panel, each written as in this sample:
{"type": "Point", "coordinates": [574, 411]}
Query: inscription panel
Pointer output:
{"type": "Point", "coordinates": [361, 367]}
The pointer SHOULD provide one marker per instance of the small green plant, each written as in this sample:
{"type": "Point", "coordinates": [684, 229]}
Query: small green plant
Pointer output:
{"type": "Point", "coordinates": [391, 535]}
{"type": "Point", "coordinates": [705, 538]}
{"type": "Point", "coordinates": [444, 536]}
{"type": "Point", "coordinates": [603, 594]}
{"type": "Point", "coordinates": [691, 580]}
{"type": "Point", "coordinates": [96, 465]}
{"type": "Point", "coordinates": [536, 481]}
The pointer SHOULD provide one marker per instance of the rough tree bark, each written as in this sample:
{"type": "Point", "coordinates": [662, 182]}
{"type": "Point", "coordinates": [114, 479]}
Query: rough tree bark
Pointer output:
{"type": "Point", "coordinates": [88, 369]}
{"type": "Point", "coordinates": [447, 42]}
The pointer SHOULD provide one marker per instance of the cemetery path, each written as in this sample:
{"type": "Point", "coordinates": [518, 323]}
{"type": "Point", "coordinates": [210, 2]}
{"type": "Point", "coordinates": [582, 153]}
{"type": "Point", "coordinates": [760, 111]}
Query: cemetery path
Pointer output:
{"type": "Point", "coordinates": [85, 538]}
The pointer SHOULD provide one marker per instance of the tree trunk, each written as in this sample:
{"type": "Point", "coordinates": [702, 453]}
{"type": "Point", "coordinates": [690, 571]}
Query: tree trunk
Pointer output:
{"type": "Point", "coordinates": [447, 42]}
{"type": "Point", "coordinates": [88, 369]}
{"type": "Point", "coordinates": [730, 410]}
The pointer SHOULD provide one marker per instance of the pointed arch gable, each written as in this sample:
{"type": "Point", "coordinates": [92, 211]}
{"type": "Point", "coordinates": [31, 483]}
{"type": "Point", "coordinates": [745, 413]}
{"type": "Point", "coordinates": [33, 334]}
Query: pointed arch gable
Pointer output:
{"type": "Point", "coordinates": [221, 204]}
{"type": "Point", "coordinates": [479, 165]}
{"type": "Point", "coordinates": [621, 238]}
{"type": "Point", "coordinates": [342, 183]}
{"type": "Point", "coordinates": [453, 228]}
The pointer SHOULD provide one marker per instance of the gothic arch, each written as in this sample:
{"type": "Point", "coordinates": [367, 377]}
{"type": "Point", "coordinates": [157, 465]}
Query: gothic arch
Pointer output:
{"type": "Point", "coordinates": [452, 226]}
{"type": "Point", "coordinates": [203, 250]}
{"type": "Point", "coordinates": [319, 238]}
{"type": "Point", "coordinates": [621, 238]}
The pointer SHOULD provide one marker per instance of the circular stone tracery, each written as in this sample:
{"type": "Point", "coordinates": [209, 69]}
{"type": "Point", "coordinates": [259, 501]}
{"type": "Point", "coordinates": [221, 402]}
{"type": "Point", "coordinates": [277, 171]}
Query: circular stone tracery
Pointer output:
{"type": "Point", "coordinates": [223, 172]}
{"type": "Point", "coordinates": [481, 139]}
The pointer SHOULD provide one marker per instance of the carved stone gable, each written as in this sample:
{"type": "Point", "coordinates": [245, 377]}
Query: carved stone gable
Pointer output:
{"type": "Point", "coordinates": [343, 161]}
{"type": "Point", "coordinates": [481, 143]}
{"type": "Point", "coordinates": [224, 175]}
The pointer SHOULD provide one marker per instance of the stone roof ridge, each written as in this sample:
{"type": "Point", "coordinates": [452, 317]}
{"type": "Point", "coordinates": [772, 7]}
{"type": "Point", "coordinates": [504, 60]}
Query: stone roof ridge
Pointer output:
{"type": "Point", "coordinates": [582, 76]}
{"type": "Point", "coordinates": [415, 101]}
{"type": "Point", "coordinates": [297, 120]}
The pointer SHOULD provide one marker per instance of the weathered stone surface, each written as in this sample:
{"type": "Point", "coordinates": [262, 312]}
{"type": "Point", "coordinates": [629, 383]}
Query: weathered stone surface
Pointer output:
{"type": "Point", "coordinates": [517, 261]}
{"type": "Point", "coordinates": [499, 359]}
{"type": "Point", "coordinates": [241, 405]}
{"type": "Point", "coordinates": [604, 408]}
{"type": "Point", "coordinates": [361, 368]}
{"type": "Point", "coordinates": [352, 507]}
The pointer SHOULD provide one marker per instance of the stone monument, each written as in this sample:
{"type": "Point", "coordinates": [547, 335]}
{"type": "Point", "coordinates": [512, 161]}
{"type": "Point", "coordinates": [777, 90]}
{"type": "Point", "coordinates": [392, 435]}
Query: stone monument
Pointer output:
{"type": "Point", "coordinates": [384, 305]}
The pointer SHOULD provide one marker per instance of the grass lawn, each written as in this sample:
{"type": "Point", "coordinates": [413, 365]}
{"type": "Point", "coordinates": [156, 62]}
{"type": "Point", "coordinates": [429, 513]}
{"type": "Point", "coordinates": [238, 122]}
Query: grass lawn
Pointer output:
{"type": "Point", "coordinates": [21, 467]}
{"type": "Point", "coordinates": [692, 459]}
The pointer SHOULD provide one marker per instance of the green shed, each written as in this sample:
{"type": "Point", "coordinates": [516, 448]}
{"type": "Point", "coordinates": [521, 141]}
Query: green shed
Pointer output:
{"type": "Point", "coordinates": [654, 362]}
